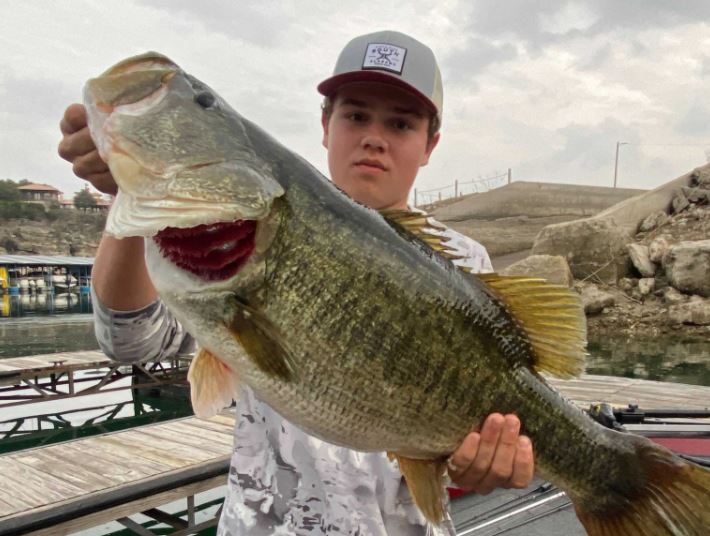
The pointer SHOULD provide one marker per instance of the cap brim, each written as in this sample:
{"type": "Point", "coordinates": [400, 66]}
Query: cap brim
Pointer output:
{"type": "Point", "coordinates": [329, 86]}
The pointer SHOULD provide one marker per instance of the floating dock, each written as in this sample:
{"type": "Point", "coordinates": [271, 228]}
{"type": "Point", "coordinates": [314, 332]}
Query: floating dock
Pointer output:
{"type": "Point", "coordinates": [72, 486]}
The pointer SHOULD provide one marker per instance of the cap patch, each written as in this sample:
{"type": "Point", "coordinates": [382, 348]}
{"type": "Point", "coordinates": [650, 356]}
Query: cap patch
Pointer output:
{"type": "Point", "coordinates": [385, 57]}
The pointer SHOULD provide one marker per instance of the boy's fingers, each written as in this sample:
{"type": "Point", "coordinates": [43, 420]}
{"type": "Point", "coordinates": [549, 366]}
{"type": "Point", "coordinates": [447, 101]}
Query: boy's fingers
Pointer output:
{"type": "Point", "coordinates": [473, 459]}
{"type": "Point", "coordinates": [89, 164]}
{"type": "Point", "coordinates": [76, 145]}
{"type": "Point", "coordinates": [461, 460]}
{"type": "Point", "coordinates": [523, 465]}
{"type": "Point", "coordinates": [500, 470]}
{"type": "Point", "coordinates": [74, 119]}
{"type": "Point", "coordinates": [103, 182]}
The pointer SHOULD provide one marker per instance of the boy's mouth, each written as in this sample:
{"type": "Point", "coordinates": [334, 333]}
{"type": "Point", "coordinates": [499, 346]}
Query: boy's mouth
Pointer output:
{"type": "Point", "coordinates": [370, 164]}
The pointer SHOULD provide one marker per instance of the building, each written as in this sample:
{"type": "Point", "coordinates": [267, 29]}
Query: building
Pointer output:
{"type": "Point", "coordinates": [39, 193]}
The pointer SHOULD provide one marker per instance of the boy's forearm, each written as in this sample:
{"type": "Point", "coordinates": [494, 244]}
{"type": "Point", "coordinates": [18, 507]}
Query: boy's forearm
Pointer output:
{"type": "Point", "coordinates": [120, 277]}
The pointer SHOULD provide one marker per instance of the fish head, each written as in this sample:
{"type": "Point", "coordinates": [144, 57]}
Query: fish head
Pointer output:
{"type": "Point", "coordinates": [187, 173]}
{"type": "Point", "coordinates": [180, 155]}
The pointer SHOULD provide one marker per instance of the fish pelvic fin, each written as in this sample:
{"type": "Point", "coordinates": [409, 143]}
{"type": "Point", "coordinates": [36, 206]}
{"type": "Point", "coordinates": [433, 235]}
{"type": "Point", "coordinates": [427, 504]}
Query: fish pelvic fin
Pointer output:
{"type": "Point", "coordinates": [425, 480]}
{"type": "Point", "coordinates": [213, 385]}
{"type": "Point", "coordinates": [553, 318]}
{"type": "Point", "coordinates": [674, 500]}
{"type": "Point", "coordinates": [261, 341]}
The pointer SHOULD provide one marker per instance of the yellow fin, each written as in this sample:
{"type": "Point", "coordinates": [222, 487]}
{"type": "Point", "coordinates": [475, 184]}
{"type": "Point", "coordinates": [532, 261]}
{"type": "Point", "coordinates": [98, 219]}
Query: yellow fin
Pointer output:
{"type": "Point", "coordinates": [261, 341]}
{"type": "Point", "coordinates": [424, 227]}
{"type": "Point", "coordinates": [213, 385]}
{"type": "Point", "coordinates": [425, 480]}
{"type": "Point", "coordinates": [551, 315]}
{"type": "Point", "coordinates": [553, 318]}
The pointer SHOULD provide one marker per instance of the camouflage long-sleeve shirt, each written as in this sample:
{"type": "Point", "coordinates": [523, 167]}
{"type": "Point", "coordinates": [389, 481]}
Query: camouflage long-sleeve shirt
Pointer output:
{"type": "Point", "coordinates": [282, 480]}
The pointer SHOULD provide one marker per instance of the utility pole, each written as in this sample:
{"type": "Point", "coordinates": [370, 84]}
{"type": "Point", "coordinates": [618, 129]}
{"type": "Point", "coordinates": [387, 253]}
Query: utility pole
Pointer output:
{"type": "Point", "coordinates": [616, 160]}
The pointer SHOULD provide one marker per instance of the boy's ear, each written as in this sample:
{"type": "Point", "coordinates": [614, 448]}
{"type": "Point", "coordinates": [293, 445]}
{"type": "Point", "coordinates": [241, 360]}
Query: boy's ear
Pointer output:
{"type": "Point", "coordinates": [431, 144]}
{"type": "Point", "coordinates": [324, 123]}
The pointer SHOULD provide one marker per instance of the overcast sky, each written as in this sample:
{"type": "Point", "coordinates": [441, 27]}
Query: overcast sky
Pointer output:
{"type": "Point", "coordinates": [546, 88]}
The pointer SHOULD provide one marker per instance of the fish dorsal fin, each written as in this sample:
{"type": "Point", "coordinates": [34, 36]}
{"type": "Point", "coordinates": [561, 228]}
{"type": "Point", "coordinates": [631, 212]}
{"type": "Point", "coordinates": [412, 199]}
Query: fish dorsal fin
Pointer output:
{"type": "Point", "coordinates": [553, 318]}
{"type": "Point", "coordinates": [424, 227]}
{"type": "Point", "coordinates": [551, 315]}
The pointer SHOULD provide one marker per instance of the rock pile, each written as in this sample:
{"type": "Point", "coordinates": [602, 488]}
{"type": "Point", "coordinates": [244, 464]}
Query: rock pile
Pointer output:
{"type": "Point", "coordinates": [667, 282]}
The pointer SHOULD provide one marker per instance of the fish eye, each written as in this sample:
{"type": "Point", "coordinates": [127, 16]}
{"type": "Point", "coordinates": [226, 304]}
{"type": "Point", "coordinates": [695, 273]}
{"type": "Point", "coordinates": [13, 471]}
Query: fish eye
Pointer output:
{"type": "Point", "coordinates": [205, 99]}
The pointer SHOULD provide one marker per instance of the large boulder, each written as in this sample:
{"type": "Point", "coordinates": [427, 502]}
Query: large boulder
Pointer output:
{"type": "Point", "coordinates": [554, 268]}
{"type": "Point", "coordinates": [696, 311]}
{"type": "Point", "coordinates": [687, 267]}
{"type": "Point", "coordinates": [592, 247]}
{"type": "Point", "coordinates": [639, 258]}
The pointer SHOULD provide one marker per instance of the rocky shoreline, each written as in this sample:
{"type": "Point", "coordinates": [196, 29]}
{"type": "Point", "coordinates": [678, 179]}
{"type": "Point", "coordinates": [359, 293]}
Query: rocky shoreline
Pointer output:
{"type": "Point", "coordinates": [665, 288]}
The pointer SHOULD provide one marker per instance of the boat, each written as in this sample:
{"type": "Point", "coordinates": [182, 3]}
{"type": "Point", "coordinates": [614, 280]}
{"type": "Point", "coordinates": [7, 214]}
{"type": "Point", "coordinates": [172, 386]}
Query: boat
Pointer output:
{"type": "Point", "coordinates": [543, 509]}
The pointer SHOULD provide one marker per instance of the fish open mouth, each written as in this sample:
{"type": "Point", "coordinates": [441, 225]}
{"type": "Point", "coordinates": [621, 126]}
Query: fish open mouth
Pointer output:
{"type": "Point", "coordinates": [213, 252]}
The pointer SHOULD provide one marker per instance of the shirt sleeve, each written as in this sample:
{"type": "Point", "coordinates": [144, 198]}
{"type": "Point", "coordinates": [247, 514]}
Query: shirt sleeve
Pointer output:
{"type": "Point", "coordinates": [473, 254]}
{"type": "Point", "coordinates": [148, 334]}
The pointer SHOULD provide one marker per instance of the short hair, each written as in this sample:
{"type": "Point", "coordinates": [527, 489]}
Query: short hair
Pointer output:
{"type": "Point", "coordinates": [433, 127]}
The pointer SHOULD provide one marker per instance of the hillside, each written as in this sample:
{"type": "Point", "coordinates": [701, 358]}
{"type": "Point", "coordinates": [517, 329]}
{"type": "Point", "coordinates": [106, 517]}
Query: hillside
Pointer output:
{"type": "Point", "coordinates": [61, 232]}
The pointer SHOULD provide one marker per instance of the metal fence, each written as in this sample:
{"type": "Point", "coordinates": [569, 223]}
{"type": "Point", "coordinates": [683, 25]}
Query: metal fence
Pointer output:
{"type": "Point", "coordinates": [423, 198]}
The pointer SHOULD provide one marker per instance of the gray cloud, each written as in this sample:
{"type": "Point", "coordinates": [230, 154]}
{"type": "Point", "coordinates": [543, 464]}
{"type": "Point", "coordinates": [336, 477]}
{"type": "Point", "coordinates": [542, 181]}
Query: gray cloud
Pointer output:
{"type": "Point", "coordinates": [524, 19]}
{"type": "Point", "coordinates": [261, 23]}
{"type": "Point", "coordinates": [695, 122]}
{"type": "Point", "coordinates": [466, 63]}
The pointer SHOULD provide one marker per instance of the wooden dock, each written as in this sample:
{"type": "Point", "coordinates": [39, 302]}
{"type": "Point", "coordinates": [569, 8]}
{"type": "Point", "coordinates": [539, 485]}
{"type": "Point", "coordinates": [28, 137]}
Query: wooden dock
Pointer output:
{"type": "Point", "coordinates": [72, 486]}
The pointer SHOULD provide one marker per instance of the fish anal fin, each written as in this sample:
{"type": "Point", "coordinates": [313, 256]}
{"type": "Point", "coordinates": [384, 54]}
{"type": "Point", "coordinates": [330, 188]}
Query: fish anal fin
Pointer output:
{"type": "Point", "coordinates": [425, 480]}
{"type": "Point", "coordinates": [213, 385]}
{"type": "Point", "coordinates": [551, 315]}
{"type": "Point", "coordinates": [261, 341]}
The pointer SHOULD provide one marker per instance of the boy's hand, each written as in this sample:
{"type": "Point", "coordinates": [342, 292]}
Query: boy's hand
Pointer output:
{"type": "Point", "coordinates": [78, 148]}
{"type": "Point", "coordinates": [496, 457]}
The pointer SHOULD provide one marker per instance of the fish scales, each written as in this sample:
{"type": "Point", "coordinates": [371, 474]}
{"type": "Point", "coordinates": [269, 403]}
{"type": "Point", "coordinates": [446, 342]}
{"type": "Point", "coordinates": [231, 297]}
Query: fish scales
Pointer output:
{"type": "Point", "coordinates": [351, 324]}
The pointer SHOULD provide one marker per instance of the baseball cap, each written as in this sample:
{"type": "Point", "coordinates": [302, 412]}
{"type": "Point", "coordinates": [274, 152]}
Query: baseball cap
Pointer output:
{"type": "Point", "coordinates": [392, 58]}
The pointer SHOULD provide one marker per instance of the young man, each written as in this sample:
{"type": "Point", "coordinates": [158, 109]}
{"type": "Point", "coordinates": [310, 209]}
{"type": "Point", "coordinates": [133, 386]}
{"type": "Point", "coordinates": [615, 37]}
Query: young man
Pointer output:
{"type": "Point", "coordinates": [381, 117]}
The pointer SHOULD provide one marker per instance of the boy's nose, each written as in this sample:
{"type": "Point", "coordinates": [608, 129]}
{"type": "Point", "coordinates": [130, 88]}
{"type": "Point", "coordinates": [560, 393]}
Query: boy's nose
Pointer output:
{"type": "Point", "coordinates": [374, 141]}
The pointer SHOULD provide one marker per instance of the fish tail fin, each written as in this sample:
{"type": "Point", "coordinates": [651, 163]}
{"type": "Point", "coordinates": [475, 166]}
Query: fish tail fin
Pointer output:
{"type": "Point", "coordinates": [213, 385]}
{"type": "Point", "coordinates": [674, 500]}
{"type": "Point", "coordinates": [425, 480]}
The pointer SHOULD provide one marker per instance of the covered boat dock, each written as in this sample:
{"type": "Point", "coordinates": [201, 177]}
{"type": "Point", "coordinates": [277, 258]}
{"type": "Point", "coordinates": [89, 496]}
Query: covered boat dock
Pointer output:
{"type": "Point", "coordinates": [44, 273]}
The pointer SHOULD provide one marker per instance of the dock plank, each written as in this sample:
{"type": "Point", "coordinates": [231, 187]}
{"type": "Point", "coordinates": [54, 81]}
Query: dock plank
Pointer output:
{"type": "Point", "coordinates": [32, 487]}
{"type": "Point", "coordinates": [191, 436]}
{"type": "Point", "coordinates": [204, 424]}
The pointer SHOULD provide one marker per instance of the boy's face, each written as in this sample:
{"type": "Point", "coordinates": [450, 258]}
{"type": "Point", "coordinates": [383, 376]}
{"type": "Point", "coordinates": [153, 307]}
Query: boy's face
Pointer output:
{"type": "Point", "coordinates": [377, 140]}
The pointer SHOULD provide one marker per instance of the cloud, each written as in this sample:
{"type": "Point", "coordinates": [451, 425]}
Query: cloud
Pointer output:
{"type": "Point", "coordinates": [465, 64]}
{"type": "Point", "coordinates": [262, 23]}
{"type": "Point", "coordinates": [696, 122]}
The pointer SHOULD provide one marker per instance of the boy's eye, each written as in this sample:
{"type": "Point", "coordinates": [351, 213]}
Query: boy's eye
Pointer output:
{"type": "Point", "coordinates": [401, 124]}
{"type": "Point", "coordinates": [356, 116]}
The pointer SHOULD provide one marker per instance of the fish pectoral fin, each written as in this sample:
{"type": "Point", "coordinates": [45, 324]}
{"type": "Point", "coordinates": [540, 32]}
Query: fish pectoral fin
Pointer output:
{"type": "Point", "coordinates": [213, 385]}
{"type": "Point", "coordinates": [551, 315]}
{"type": "Point", "coordinates": [425, 480]}
{"type": "Point", "coordinates": [262, 342]}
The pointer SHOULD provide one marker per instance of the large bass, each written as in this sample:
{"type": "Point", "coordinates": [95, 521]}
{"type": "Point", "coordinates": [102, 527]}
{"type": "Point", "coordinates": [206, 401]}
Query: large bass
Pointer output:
{"type": "Point", "coordinates": [354, 325]}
